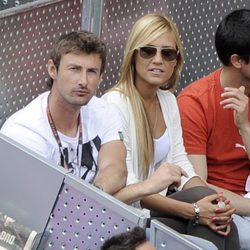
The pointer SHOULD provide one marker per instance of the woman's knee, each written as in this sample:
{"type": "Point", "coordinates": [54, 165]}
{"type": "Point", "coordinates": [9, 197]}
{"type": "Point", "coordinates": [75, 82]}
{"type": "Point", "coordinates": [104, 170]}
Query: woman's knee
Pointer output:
{"type": "Point", "coordinates": [192, 194]}
{"type": "Point", "coordinates": [201, 192]}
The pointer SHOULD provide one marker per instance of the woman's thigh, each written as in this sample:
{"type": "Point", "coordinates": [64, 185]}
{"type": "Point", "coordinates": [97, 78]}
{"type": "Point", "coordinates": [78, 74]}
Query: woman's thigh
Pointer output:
{"type": "Point", "coordinates": [193, 194]}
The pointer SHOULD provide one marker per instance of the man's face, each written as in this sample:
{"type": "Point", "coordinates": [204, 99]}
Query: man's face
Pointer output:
{"type": "Point", "coordinates": [77, 78]}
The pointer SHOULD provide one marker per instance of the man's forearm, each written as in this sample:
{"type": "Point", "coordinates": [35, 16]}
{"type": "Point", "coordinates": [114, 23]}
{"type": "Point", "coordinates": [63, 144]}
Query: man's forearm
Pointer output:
{"type": "Point", "coordinates": [245, 134]}
{"type": "Point", "coordinates": [241, 204]}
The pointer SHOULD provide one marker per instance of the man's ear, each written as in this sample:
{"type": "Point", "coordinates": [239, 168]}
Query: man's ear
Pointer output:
{"type": "Point", "coordinates": [236, 61]}
{"type": "Point", "coordinates": [100, 79]}
{"type": "Point", "coordinates": [52, 70]}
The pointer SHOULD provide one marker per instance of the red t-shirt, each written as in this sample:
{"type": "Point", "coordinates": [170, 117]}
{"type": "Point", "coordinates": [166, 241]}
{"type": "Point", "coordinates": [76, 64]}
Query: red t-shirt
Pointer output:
{"type": "Point", "coordinates": [209, 129]}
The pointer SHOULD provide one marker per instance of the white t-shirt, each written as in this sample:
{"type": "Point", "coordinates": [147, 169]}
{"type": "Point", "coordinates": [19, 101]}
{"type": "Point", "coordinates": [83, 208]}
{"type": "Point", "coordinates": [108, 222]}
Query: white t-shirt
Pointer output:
{"type": "Point", "coordinates": [101, 123]}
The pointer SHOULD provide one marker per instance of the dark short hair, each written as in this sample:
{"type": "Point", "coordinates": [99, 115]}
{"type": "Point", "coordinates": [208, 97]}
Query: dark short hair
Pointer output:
{"type": "Point", "coordinates": [233, 36]}
{"type": "Point", "coordinates": [77, 42]}
{"type": "Point", "coordinates": [126, 241]}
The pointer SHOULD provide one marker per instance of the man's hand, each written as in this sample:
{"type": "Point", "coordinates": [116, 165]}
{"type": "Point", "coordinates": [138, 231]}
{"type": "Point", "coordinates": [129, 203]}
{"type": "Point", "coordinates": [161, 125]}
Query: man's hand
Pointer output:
{"type": "Point", "coordinates": [237, 100]}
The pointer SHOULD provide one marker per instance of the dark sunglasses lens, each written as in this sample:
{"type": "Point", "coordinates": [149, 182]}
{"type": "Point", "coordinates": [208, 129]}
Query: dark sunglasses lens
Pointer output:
{"type": "Point", "coordinates": [169, 54]}
{"type": "Point", "coordinates": [147, 52]}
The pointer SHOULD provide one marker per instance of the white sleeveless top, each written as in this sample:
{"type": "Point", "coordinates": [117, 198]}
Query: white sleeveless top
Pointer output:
{"type": "Point", "coordinates": [161, 149]}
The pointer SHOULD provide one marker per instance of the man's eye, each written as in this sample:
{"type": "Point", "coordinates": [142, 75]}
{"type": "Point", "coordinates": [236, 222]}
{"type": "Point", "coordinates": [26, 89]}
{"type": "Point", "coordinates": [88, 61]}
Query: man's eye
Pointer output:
{"type": "Point", "coordinates": [74, 68]}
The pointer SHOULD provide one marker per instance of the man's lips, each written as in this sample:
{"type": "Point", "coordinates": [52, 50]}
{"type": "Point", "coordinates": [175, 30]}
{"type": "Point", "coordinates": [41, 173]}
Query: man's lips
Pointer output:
{"type": "Point", "coordinates": [81, 91]}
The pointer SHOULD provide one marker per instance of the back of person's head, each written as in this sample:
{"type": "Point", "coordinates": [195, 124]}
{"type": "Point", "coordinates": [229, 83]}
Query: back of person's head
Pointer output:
{"type": "Point", "coordinates": [233, 36]}
{"type": "Point", "coordinates": [77, 42]}
{"type": "Point", "coordinates": [145, 30]}
{"type": "Point", "coordinates": [126, 241]}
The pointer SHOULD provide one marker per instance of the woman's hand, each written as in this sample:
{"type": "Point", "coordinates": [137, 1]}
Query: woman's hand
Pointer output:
{"type": "Point", "coordinates": [166, 175]}
{"type": "Point", "coordinates": [217, 218]}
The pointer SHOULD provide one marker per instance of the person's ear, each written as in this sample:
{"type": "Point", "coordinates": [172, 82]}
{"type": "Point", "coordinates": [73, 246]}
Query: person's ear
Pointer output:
{"type": "Point", "coordinates": [236, 61]}
{"type": "Point", "coordinates": [100, 79]}
{"type": "Point", "coordinates": [52, 70]}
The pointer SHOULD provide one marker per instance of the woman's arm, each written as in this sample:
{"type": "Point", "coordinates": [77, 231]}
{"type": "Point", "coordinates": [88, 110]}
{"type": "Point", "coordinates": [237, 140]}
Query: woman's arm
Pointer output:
{"type": "Point", "coordinates": [166, 175]}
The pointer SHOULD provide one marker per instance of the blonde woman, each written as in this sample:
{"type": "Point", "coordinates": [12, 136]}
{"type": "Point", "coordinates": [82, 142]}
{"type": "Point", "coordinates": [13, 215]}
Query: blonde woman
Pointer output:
{"type": "Point", "coordinates": [156, 158]}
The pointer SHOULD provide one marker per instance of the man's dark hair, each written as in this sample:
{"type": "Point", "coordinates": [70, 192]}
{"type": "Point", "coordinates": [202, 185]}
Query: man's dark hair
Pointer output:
{"type": "Point", "coordinates": [126, 241]}
{"type": "Point", "coordinates": [77, 42]}
{"type": "Point", "coordinates": [233, 36]}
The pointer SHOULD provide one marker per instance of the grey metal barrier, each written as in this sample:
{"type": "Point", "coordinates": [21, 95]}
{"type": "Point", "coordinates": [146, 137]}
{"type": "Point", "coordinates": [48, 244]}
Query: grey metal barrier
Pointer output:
{"type": "Point", "coordinates": [67, 212]}
{"type": "Point", "coordinates": [165, 238]}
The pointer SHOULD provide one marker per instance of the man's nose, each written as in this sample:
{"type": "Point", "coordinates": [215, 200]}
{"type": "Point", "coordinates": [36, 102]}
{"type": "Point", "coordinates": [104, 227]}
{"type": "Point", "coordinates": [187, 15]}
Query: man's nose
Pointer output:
{"type": "Point", "coordinates": [83, 79]}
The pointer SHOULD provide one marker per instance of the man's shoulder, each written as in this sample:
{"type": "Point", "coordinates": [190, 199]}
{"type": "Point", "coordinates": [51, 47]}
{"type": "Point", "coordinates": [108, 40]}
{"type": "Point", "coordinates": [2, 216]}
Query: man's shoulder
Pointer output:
{"type": "Point", "coordinates": [119, 100]}
{"type": "Point", "coordinates": [202, 86]}
{"type": "Point", "coordinates": [29, 116]}
{"type": "Point", "coordinates": [99, 108]}
{"type": "Point", "coordinates": [29, 126]}
{"type": "Point", "coordinates": [101, 118]}
{"type": "Point", "coordinates": [112, 100]}
{"type": "Point", "coordinates": [96, 104]}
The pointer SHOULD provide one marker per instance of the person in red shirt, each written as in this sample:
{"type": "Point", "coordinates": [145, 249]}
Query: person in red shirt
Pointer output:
{"type": "Point", "coordinates": [215, 119]}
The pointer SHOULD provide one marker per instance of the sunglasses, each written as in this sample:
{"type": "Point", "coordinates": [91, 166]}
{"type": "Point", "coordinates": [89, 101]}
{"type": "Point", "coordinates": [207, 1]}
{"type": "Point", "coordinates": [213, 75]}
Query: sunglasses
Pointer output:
{"type": "Point", "coordinates": [148, 52]}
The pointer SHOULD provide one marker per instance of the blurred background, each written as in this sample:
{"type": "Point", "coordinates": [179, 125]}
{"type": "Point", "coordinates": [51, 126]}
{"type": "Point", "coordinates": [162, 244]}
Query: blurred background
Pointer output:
{"type": "Point", "coordinates": [29, 28]}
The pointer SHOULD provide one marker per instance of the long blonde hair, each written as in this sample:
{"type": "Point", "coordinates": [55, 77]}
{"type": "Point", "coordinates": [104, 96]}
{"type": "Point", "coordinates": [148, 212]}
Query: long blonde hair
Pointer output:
{"type": "Point", "coordinates": [145, 30]}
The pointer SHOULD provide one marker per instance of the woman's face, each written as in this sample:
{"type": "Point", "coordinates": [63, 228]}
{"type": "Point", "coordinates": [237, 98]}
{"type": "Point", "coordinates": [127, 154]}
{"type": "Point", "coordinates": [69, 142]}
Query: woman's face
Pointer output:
{"type": "Point", "coordinates": [155, 62]}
